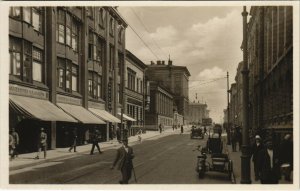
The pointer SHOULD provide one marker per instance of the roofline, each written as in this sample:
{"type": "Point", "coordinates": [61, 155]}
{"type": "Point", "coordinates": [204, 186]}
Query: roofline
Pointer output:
{"type": "Point", "coordinates": [174, 66]}
{"type": "Point", "coordinates": [117, 14]}
{"type": "Point", "coordinates": [136, 59]}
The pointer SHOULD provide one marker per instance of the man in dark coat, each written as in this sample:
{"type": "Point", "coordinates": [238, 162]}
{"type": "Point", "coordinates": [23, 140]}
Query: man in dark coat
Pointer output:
{"type": "Point", "coordinates": [124, 159]}
{"type": "Point", "coordinates": [256, 147]}
{"type": "Point", "coordinates": [286, 155]}
{"type": "Point", "coordinates": [73, 140]}
{"type": "Point", "coordinates": [95, 139]}
{"type": "Point", "coordinates": [268, 164]}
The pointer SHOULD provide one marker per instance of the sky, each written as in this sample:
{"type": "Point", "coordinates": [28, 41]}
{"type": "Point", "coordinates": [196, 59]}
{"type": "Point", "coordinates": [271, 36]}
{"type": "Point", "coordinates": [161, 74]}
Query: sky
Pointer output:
{"type": "Point", "coordinates": [205, 39]}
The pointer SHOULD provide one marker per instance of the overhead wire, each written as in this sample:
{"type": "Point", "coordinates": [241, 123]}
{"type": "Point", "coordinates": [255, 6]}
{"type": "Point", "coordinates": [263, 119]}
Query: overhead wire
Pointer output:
{"type": "Point", "coordinates": [155, 43]}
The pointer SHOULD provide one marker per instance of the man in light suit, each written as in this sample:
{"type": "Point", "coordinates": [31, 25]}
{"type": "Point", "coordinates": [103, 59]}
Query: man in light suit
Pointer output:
{"type": "Point", "coordinates": [124, 158]}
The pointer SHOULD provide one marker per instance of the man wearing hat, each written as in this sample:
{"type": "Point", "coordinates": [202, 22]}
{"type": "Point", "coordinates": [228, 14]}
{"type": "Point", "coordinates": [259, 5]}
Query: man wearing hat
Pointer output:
{"type": "Point", "coordinates": [256, 147]}
{"type": "Point", "coordinates": [124, 158]}
{"type": "Point", "coordinates": [268, 164]}
{"type": "Point", "coordinates": [42, 143]}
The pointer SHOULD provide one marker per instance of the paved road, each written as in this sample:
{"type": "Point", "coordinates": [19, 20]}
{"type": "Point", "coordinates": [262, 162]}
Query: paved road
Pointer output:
{"type": "Point", "coordinates": [167, 160]}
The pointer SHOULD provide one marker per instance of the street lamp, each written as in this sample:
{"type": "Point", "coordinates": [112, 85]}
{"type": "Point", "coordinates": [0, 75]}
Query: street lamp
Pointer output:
{"type": "Point", "coordinates": [245, 158]}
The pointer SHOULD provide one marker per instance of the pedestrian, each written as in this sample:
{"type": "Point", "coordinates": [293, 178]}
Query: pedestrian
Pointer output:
{"type": "Point", "coordinates": [139, 133]}
{"type": "Point", "coordinates": [73, 140]}
{"type": "Point", "coordinates": [16, 141]}
{"type": "Point", "coordinates": [233, 140]}
{"type": "Point", "coordinates": [256, 147]}
{"type": "Point", "coordinates": [286, 156]}
{"type": "Point", "coordinates": [42, 143]}
{"type": "Point", "coordinates": [205, 130]}
{"type": "Point", "coordinates": [95, 139]}
{"type": "Point", "coordinates": [160, 128]}
{"type": "Point", "coordinates": [124, 159]}
{"type": "Point", "coordinates": [173, 127]}
{"type": "Point", "coordinates": [268, 164]}
{"type": "Point", "coordinates": [181, 129]}
{"type": "Point", "coordinates": [239, 137]}
{"type": "Point", "coordinates": [118, 132]}
{"type": "Point", "coordinates": [11, 145]}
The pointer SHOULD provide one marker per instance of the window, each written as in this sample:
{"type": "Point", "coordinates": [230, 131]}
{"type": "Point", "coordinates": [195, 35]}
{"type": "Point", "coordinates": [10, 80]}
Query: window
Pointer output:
{"type": "Point", "coordinates": [27, 60]}
{"type": "Point", "coordinates": [101, 17]}
{"type": "Point", "coordinates": [15, 56]}
{"type": "Point", "coordinates": [75, 36]}
{"type": "Point", "coordinates": [91, 46]}
{"type": "Point", "coordinates": [68, 76]}
{"type": "Point", "coordinates": [68, 29]}
{"type": "Point", "coordinates": [99, 84]}
{"type": "Point", "coordinates": [27, 14]}
{"type": "Point", "coordinates": [61, 33]}
{"type": "Point", "coordinates": [131, 79]}
{"type": "Point", "coordinates": [74, 78]}
{"type": "Point", "coordinates": [90, 84]}
{"type": "Point", "coordinates": [120, 34]}
{"type": "Point", "coordinates": [111, 27]}
{"type": "Point", "coordinates": [36, 19]}
{"type": "Point", "coordinates": [37, 69]}
{"type": "Point", "coordinates": [111, 56]}
{"type": "Point", "coordinates": [15, 12]}
{"type": "Point", "coordinates": [61, 72]}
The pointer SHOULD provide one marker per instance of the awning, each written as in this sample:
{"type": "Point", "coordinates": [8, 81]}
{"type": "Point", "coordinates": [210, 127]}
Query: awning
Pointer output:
{"type": "Point", "coordinates": [80, 113]}
{"type": "Point", "coordinates": [38, 108]}
{"type": "Point", "coordinates": [106, 116]}
{"type": "Point", "coordinates": [126, 117]}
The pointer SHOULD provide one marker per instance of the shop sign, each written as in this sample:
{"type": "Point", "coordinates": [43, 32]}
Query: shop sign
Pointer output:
{"type": "Point", "coordinates": [28, 92]}
{"type": "Point", "coordinates": [69, 100]}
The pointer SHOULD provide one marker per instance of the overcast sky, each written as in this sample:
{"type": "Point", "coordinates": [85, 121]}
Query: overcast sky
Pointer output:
{"type": "Point", "coordinates": [205, 39]}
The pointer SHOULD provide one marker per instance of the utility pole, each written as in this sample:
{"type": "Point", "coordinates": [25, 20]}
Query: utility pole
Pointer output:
{"type": "Point", "coordinates": [245, 158]}
{"type": "Point", "coordinates": [228, 113]}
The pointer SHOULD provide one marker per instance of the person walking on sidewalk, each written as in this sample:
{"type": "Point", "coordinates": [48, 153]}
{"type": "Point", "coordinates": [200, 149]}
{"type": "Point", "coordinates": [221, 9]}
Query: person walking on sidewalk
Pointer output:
{"type": "Point", "coordinates": [268, 164]}
{"type": "Point", "coordinates": [124, 159]}
{"type": "Point", "coordinates": [256, 147]}
{"type": "Point", "coordinates": [11, 145]}
{"type": "Point", "coordinates": [160, 128]}
{"type": "Point", "coordinates": [73, 140]}
{"type": "Point", "coordinates": [233, 140]}
{"type": "Point", "coordinates": [181, 129]}
{"type": "Point", "coordinates": [42, 143]}
{"type": "Point", "coordinates": [16, 141]}
{"type": "Point", "coordinates": [286, 156]}
{"type": "Point", "coordinates": [95, 140]}
{"type": "Point", "coordinates": [118, 132]}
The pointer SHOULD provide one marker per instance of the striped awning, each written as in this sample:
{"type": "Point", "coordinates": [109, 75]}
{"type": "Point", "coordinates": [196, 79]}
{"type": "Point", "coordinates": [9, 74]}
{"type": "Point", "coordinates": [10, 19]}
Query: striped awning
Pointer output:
{"type": "Point", "coordinates": [80, 113]}
{"type": "Point", "coordinates": [106, 116]}
{"type": "Point", "coordinates": [126, 117]}
{"type": "Point", "coordinates": [38, 109]}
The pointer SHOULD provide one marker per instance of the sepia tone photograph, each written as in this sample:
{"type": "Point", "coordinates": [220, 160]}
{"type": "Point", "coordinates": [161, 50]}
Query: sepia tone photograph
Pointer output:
{"type": "Point", "coordinates": [113, 94]}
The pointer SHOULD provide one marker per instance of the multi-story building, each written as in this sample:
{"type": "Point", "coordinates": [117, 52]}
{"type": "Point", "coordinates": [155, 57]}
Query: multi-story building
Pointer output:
{"type": "Point", "coordinates": [239, 96]}
{"type": "Point", "coordinates": [65, 65]}
{"type": "Point", "coordinates": [270, 52]}
{"type": "Point", "coordinates": [161, 107]}
{"type": "Point", "coordinates": [135, 92]}
{"type": "Point", "coordinates": [197, 111]}
{"type": "Point", "coordinates": [175, 79]}
{"type": "Point", "coordinates": [233, 106]}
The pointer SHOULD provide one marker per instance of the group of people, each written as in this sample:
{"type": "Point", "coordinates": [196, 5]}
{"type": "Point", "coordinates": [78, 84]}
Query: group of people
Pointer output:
{"type": "Point", "coordinates": [271, 163]}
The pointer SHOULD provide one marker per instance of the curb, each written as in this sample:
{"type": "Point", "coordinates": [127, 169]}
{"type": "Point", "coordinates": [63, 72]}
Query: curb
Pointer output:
{"type": "Point", "coordinates": [41, 161]}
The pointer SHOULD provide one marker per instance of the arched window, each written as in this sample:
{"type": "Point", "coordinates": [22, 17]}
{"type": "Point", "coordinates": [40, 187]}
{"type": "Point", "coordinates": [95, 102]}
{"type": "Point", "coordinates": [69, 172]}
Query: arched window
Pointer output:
{"type": "Point", "coordinates": [111, 26]}
{"type": "Point", "coordinates": [120, 34]}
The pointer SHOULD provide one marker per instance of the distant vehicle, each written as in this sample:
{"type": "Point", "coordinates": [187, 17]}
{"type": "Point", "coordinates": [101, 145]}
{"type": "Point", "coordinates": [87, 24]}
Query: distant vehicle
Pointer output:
{"type": "Point", "coordinates": [197, 132]}
{"type": "Point", "coordinates": [217, 129]}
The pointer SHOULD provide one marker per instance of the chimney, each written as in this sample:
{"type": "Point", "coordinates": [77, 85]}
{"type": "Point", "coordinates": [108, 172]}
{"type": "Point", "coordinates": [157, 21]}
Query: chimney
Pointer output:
{"type": "Point", "coordinates": [151, 62]}
{"type": "Point", "coordinates": [158, 62]}
{"type": "Point", "coordinates": [163, 62]}
{"type": "Point", "coordinates": [169, 61]}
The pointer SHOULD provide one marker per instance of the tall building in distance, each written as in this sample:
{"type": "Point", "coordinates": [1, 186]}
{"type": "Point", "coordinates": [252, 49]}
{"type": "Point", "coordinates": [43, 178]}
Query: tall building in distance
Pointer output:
{"type": "Point", "coordinates": [197, 112]}
{"type": "Point", "coordinates": [65, 65]}
{"type": "Point", "coordinates": [175, 79]}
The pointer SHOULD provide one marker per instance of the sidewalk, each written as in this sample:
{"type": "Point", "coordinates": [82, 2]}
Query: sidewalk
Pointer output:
{"type": "Point", "coordinates": [236, 159]}
{"type": "Point", "coordinates": [27, 160]}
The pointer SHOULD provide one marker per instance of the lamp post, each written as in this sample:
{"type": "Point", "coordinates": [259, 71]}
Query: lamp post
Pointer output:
{"type": "Point", "coordinates": [228, 112]}
{"type": "Point", "coordinates": [245, 158]}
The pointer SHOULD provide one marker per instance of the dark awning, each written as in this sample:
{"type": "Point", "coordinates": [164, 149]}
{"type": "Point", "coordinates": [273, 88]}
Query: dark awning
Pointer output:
{"type": "Point", "coordinates": [38, 108]}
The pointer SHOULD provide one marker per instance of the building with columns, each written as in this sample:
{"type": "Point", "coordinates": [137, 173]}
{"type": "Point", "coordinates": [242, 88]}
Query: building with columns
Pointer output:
{"type": "Point", "coordinates": [197, 111]}
{"type": "Point", "coordinates": [66, 66]}
{"type": "Point", "coordinates": [175, 79]}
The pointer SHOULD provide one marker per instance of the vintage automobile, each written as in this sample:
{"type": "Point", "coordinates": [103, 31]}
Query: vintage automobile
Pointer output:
{"type": "Point", "coordinates": [197, 132]}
